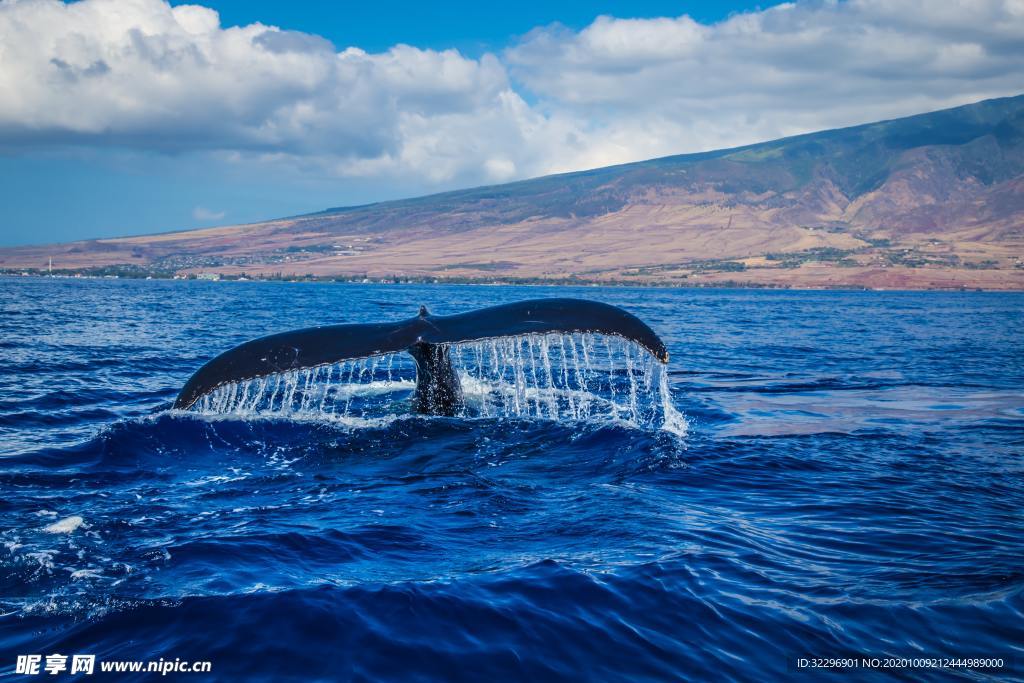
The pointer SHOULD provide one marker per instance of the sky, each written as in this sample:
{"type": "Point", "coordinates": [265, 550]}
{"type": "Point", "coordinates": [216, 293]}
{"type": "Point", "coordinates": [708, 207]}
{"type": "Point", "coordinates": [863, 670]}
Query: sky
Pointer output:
{"type": "Point", "coordinates": [125, 117]}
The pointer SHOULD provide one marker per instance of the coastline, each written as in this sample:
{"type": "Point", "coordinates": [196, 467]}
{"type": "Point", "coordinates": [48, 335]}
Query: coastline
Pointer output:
{"type": "Point", "coordinates": [708, 284]}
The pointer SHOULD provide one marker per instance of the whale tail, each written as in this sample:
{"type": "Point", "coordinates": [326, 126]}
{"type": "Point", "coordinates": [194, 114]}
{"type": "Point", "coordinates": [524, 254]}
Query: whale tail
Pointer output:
{"type": "Point", "coordinates": [425, 337]}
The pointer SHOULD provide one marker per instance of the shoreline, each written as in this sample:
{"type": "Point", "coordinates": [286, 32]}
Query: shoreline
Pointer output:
{"type": "Point", "coordinates": [531, 282]}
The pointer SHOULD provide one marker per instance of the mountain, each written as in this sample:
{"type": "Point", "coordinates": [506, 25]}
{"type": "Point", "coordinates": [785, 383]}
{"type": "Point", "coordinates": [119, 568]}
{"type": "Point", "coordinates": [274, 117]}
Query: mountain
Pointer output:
{"type": "Point", "coordinates": [934, 200]}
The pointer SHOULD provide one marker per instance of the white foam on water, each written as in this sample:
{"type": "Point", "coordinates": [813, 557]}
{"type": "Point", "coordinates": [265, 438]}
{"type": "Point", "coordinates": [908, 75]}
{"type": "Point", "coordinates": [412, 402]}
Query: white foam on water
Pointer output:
{"type": "Point", "coordinates": [78, 574]}
{"type": "Point", "coordinates": [43, 557]}
{"type": "Point", "coordinates": [65, 526]}
{"type": "Point", "coordinates": [343, 421]}
{"type": "Point", "coordinates": [215, 479]}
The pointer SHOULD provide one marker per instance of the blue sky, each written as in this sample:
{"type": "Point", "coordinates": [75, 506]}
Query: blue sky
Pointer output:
{"type": "Point", "coordinates": [471, 27]}
{"type": "Point", "coordinates": [133, 116]}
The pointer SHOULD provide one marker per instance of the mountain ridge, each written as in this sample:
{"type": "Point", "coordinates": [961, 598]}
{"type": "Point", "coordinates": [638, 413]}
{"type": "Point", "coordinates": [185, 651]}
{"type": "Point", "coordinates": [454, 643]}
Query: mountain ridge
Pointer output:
{"type": "Point", "coordinates": [687, 156]}
{"type": "Point", "coordinates": [931, 200]}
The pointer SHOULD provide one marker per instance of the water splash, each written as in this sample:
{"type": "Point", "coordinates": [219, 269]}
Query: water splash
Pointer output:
{"type": "Point", "coordinates": [580, 377]}
{"type": "Point", "coordinates": [351, 388]}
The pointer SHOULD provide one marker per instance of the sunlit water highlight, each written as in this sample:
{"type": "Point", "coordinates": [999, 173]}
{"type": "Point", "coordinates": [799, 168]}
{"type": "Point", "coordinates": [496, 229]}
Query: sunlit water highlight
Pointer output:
{"type": "Point", "coordinates": [850, 480]}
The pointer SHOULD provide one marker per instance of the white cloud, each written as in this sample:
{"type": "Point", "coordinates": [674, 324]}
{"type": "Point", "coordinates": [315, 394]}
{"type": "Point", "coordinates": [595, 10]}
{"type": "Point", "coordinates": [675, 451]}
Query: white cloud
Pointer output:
{"type": "Point", "coordinates": [672, 84]}
{"type": "Point", "coordinates": [140, 74]}
{"type": "Point", "coordinates": [201, 213]}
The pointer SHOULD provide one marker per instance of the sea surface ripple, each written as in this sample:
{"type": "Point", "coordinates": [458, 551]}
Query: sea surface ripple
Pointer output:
{"type": "Point", "coordinates": [852, 481]}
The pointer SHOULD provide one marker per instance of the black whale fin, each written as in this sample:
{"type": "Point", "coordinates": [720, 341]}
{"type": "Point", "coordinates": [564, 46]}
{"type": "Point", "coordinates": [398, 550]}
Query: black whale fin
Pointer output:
{"type": "Point", "coordinates": [314, 346]}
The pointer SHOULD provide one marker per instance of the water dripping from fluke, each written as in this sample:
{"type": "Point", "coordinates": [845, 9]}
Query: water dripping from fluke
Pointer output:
{"type": "Point", "coordinates": [551, 359]}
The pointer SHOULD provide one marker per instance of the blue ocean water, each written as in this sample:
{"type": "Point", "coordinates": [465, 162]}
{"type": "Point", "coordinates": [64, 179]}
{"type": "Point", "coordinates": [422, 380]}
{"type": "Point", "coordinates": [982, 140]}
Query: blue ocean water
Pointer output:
{"type": "Point", "coordinates": [851, 482]}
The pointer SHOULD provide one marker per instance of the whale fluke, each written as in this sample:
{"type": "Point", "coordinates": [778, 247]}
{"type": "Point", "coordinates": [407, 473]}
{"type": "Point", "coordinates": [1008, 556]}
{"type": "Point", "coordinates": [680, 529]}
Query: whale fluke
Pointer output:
{"type": "Point", "coordinates": [425, 337]}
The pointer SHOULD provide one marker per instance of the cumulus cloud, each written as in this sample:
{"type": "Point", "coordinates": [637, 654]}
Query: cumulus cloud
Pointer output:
{"type": "Point", "coordinates": [143, 75]}
{"type": "Point", "coordinates": [790, 69]}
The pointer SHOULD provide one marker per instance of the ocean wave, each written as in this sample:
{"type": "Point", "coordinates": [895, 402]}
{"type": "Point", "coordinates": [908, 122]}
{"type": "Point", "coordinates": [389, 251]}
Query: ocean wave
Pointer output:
{"type": "Point", "coordinates": [858, 490]}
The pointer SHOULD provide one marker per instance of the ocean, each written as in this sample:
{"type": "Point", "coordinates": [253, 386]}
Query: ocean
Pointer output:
{"type": "Point", "coordinates": [843, 477]}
